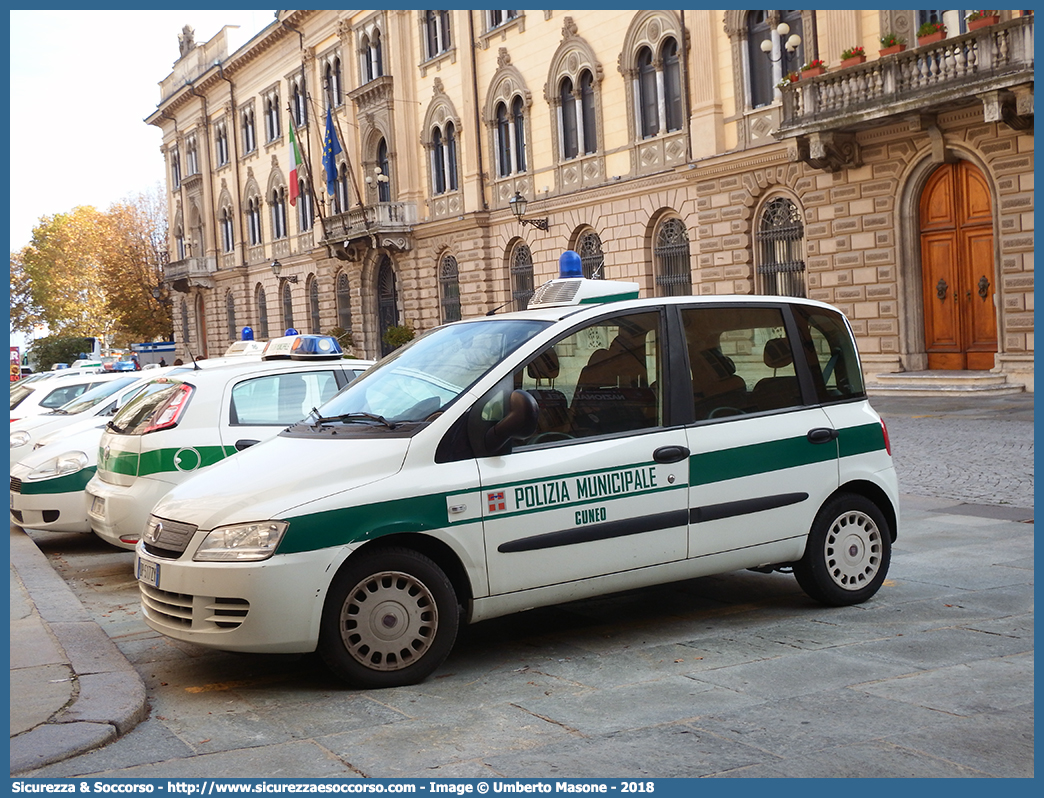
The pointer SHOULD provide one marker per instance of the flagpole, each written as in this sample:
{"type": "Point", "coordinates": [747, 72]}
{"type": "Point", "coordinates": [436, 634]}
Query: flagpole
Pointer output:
{"type": "Point", "coordinates": [317, 206]}
{"type": "Point", "coordinates": [344, 149]}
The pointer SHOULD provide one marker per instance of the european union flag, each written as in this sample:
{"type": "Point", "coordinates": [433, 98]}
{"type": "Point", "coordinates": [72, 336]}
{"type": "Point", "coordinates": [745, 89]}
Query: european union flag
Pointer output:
{"type": "Point", "coordinates": [331, 148]}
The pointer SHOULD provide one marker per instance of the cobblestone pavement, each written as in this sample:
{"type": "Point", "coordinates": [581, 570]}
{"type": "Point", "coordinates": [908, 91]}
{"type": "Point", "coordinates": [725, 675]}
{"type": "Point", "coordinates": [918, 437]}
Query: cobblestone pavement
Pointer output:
{"type": "Point", "coordinates": [973, 450]}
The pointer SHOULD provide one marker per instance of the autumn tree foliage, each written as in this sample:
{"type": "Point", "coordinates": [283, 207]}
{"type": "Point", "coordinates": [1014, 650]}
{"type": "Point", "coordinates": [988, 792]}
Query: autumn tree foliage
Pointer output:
{"type": "Point", "coordinates": [91, 273]}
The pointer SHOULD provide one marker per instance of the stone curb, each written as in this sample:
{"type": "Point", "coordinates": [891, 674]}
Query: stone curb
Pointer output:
{"type": "Point", "coordinates": [109, 696]}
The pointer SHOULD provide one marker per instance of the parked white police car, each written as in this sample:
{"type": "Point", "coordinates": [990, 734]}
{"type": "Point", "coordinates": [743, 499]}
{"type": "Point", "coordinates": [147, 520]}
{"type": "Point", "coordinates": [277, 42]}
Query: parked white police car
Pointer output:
{"type": "Point", "coordinates": [186, 422]}
{"type": "Point", "coordinates": [593, 443]}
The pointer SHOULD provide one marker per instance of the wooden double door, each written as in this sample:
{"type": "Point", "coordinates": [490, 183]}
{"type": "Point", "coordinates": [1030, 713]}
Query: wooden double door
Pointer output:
{"type": "Point", "coordinates": [957, 264]}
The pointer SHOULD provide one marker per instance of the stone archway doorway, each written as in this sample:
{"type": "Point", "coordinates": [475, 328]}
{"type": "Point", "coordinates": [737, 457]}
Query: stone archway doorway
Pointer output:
{"type": "Point", "coordinates": [957, 266]}
{"type": "Point", "coordinates": [387, 302]}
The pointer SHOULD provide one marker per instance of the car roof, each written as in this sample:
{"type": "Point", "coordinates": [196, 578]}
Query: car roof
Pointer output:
{"type": "Point", "coordinates": [236, 366]}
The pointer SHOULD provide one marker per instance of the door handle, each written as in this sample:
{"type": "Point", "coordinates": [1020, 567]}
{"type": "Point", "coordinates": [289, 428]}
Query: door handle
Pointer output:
{"type": "Point", "coordinates": [244, 443]}
{"type": "Point", "coordinates": [670, 454]}
{"type": "Point", "coordinates": [822, 435]}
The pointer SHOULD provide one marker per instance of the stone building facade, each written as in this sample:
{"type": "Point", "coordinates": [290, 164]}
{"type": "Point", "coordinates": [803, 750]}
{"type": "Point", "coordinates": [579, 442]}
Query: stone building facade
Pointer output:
{"type": "Point", "coordinates": [670, 148]}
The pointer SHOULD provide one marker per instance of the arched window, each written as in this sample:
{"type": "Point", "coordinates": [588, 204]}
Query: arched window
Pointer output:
{"type": "Point", "coordinates": [521, 276]}
{"type": "Point", "coordinates": [436, 32]}
{"type": "Point", "coordinates": [299, 103]}
{"type": "Point", "coordinates": [672, 85]}
{"type": "Point", "coordinates": [780, 239]}
{"type": "Point", "coordinates": [288, 306]}
{"type": "Point", "coordinates": [273, 130]}
{"type": "Point", "coordinates": [592, 260]}
{"type": "Point", "coordinates": [313, 304]}
{"type": "Point", "coordinates": [372, 57]}
{"type": "Point", "coordinates": [305, 207]}
{"type": "Point", "coordinates": [254, 221]}
{"type": "Point", "coordinates": [671, 259]}
{"type": "Point", "coordinates": [765, 70]}
{"type": "Point", "coordinates": [278, 213]}
{"type": "Point", "coordinates": [387, 301]}
{"type": "Point", "coordinates": [518, 121]}
{"type": "Point", "coordinates": [230, 311]}
{"type": "Point", "coordinates": [179, 242]}
{"type": "Point", "coordinates": [438, 165]}
{"type": "Point", "coordinates": [587, 112]}
{"type": "Point", "coordinates": [340, 198]}
{"type": "Point", "coordinates": [648, 97]}
{"type": "Point", "coordinates": [175, 168]}
{"type": "Point", "coordinates": [228, 238]}
{"type": "Point", "coordinates": [383, 185]}
{"type": "Point", "coordinates": [221, 143]}
{"type": "Point", "coordinates": [186, 331]}
{"type": "Point", "coordinates": [249, 131]}
{"type": "Point", "coordinates": [332, 80]}
{"type": "Point", "coordinates": [344, 303]}
{"type": "Point", "coordinates": [262, 313]}
{"type": "Point", "coordinates": [570, 136]}
{"type": "Point", "coordinates": [503, 141]}
{"type": "Point", "coordinates": [449, 289]}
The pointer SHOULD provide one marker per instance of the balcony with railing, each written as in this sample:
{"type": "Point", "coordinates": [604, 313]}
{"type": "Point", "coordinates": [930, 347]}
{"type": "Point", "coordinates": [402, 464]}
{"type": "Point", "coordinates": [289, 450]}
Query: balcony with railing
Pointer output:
{"type": "Point", "coordinates": [384, 224]}
{"type": "Point", "coordinates": [190, 272]}
{"type": "Point", "coordinates": [992, 66]}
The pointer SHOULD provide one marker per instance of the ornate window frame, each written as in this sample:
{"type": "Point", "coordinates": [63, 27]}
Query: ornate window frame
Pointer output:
{"type": "Point", "coordinates": [507, 88]}
{"type": "Point", "coordinates": [261, 303]}
{"type": "Point", "coordinates": [331, 68]}
{"type": "Point", "coordinates": [230, 313]}
{"type": "Point", "coordinates": [667, 148]}
{"type": "Point", "coordinates": [490, 29]}
{"type": "Point", "coordinates": [573, 58]}
{"type": "Point", "coordinates": [779, 246]}
{"type": "Point", "coordinates": [248, 126]}
{"type": "Point", "coordinates": [441, 115]}
{"type": "Point", "coordinates": [446, 48]}
{"type": "Point", "coordinates": [314, 315]}
{"type": "Point", "coordinates": [521, 285]}
{"type": "Point", "coordinates": [671, 247]}
{"type": "Point", "coordinates": [449, 288]}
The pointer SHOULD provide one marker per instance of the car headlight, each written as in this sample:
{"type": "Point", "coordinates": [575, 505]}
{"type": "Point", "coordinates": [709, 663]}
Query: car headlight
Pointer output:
{"type": "Point", "coordinates": [20, 438]}
{"type": "Point", "coordinates": [68, 463]}
{"type": "Point", "coordinates": [241, 542]}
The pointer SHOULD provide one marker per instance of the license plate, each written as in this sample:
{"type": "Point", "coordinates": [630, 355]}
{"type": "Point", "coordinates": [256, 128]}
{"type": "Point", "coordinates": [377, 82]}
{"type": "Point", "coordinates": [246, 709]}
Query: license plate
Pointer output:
{"type": "Point", "coordinates": [147, 571]}
{"type": "Point", "coordinates": [98, 506]}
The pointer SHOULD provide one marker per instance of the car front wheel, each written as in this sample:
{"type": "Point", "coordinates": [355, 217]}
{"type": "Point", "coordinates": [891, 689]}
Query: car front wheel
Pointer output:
{"type": "Point", "coordinates": [390, 619]}
{"type": "Point", "coordinates": [848, 551]}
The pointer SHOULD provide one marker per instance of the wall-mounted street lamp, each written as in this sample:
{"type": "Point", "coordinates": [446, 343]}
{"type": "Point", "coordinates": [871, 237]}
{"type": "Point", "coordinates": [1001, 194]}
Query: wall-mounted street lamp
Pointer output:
{"type": "Point", "coordinates": [157, 294]}
{"type": "Point", "coordinates": [518, 207]}
{"type": "Point", "coordinates": [277, 266]}
{"type": "Point", "coordinates": [790, 45]}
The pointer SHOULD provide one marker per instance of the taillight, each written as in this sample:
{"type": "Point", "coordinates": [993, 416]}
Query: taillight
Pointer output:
{"type": "Point", "coordinates": [888, 443]}
{"type": "Point", "coordinates": [169, 414]}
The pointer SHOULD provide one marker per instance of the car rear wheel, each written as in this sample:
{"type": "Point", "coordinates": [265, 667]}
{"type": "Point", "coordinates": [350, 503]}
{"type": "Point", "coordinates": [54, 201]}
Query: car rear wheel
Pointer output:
{"type": "Point", "coordinates": [848, 551]}
{"type": "Point", "coordinates": [390, 619]}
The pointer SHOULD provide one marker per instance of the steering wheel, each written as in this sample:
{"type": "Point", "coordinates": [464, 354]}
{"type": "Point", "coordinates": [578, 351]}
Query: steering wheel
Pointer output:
{"type": "Point", "coordinates": [548, 437]}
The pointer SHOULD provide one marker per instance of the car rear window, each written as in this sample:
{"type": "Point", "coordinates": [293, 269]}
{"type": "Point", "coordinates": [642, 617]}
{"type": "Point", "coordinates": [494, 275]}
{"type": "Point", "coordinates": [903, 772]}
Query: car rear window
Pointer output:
{"type": "Point", "coordinates": [134, 418]}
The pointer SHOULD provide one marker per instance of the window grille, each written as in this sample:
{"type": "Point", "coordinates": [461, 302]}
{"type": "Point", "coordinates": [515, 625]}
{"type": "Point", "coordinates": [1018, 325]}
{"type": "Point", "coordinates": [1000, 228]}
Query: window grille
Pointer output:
{"type": "Point", "coordinates": [671, 256]}
{"type": "Point", "coordinates": [780, 240]}
{"type": "Point", "coordinates": [521, 276]}
{"type": "Point", "coordinates": [449, 289]}
{"type": "Point", "coordinates": [592, 260]}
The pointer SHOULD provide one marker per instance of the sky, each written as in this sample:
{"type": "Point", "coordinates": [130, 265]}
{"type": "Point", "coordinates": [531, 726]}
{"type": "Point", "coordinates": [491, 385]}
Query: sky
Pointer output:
{"type": "Point", "coordinates": [82, 82]}
{"type": "Point", "coordinates": [85, 81]}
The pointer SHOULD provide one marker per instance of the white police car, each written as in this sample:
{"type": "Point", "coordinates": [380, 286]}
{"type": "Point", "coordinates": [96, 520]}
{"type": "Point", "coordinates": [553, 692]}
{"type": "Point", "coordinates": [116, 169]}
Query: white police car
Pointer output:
{"type": "Point", "coordinates": [186, 422]}
{"type": "Point", "coordinates": [593, 443]}
{"type": "Point", "coordinates": [58, 388]}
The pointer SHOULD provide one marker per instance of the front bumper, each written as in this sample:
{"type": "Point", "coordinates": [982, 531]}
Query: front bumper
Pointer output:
{"type": "Point", "coordinates": [118, 513]}
{"type": "Point", "coordinates": [273, 606]}
{"type": "Point", "coordinates": [53, 505]}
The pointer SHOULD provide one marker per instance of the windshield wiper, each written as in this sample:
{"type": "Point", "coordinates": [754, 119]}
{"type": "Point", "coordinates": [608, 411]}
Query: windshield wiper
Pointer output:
{"type": "Point", "coordinates": [319, 420]}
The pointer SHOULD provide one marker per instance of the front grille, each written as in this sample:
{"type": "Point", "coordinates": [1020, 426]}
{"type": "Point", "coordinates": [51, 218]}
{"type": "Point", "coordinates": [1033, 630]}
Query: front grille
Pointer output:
{"type": "Point", "coordinates": [167, 539]}
{"type": "Point", "coordinates": [16, 485]}
{"type": "Point", "coordinates": [198, 613]}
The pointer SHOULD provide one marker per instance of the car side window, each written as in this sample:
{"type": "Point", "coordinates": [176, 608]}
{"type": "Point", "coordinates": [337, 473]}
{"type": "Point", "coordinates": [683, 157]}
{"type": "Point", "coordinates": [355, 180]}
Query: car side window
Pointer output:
{"type": "Point", "coordinates": [741, 361]}
{"type": "Point", "coordinates": [60, 396]}
{"type": "Point", "coordinates": [280, 399]}
{"type": "Point", "coordinates": [831, 354]}
{"type": "Point", "coordinates": [601, 379]}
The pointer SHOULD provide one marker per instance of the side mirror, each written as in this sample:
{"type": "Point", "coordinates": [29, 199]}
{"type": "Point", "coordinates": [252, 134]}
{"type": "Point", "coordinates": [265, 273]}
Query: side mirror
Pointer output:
{"type": "Point", "coordinates": [519, 421]}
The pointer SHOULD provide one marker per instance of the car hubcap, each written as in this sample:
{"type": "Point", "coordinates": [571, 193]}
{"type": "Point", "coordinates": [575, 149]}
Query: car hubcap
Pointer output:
{"type": "Point", "coordinates": [853, 550]}
{"type": "Point", "coordinates": [389, 620]}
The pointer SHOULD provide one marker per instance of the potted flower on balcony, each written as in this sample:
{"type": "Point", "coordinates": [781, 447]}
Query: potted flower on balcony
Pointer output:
{"type": "Point", "coordinates": [980, 19]}
{"type": "Point", "coordinates": [930, 33]}
{"type": "Point", "coordinates": [787, 80]}
{"type": "Point", "coordinates": [813, 68]}
{"type": "Point", "coordinates": [891, 43]}
{"type": "Point", "coordinates": [852, 56]}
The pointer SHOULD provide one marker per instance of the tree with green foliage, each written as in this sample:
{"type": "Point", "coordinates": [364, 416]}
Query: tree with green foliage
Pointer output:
{"type": "Point", "coordinates": [89, 273]}
{"type": "Point", "coordinates": [45, 352]}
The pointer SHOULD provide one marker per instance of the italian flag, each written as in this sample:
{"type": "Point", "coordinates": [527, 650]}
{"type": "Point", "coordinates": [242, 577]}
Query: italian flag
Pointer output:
{"type": "Point", "coordinates": [295, 161]}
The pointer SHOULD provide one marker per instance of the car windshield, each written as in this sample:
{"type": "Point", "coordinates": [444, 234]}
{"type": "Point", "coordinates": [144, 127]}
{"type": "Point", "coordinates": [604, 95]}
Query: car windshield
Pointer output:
{"type": "Point", "coordinates": [98, 393]}
{"type": "Point", "coordinates": [427, 374]}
